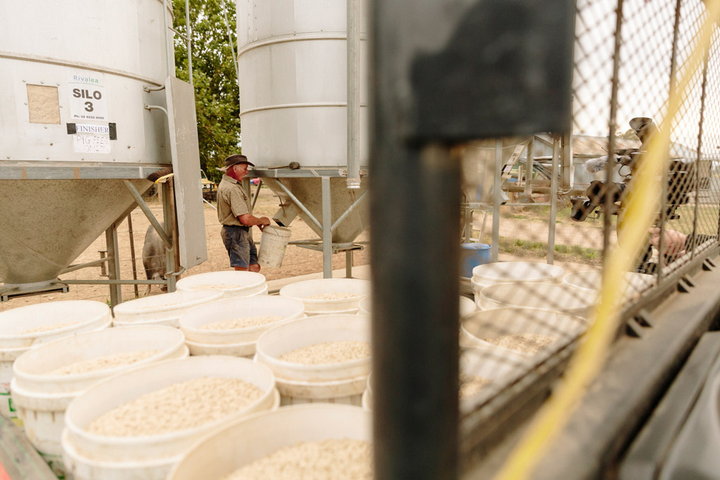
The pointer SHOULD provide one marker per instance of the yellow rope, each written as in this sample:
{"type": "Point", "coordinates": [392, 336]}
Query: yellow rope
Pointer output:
{"type": "Point", "coordinates": [641, 209]}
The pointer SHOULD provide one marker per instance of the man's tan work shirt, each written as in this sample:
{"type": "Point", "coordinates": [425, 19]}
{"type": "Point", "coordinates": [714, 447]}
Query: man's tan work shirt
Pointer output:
{"type": "Point", "coordinates": [232, 201]}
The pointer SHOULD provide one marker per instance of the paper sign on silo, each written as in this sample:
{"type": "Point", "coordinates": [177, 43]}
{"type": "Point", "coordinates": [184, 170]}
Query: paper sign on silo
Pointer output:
{"type": "Point", "coordinates": [92, 138]}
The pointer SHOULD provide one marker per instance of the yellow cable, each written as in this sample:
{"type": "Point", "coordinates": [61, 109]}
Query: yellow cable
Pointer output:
{"type": "Point", "coordinates": [641, 209]}
{"type": "Point", "coordinates": [164, 178]}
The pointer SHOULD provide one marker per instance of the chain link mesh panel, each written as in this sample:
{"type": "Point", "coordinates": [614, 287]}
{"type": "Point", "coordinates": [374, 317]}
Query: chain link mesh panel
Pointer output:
{"type": "Point", "coordinates": [547, 209]}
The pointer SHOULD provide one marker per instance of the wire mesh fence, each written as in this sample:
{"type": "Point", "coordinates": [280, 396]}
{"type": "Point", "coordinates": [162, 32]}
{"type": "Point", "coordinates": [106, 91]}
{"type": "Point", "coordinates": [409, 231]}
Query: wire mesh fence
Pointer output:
{"type": "Point", "coordinates": [551, 207]}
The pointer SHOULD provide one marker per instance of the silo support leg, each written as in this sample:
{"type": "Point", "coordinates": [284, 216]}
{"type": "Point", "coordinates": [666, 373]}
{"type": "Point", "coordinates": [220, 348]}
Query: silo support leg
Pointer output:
{"type": "Point", "coordinates": [148, 213]}
{"type": "Point", "coordinates": [326, 228]}
{"type": "Point", "coordinates": [111, 241]}
{"type": "Point", "coordinates": [348, 263]}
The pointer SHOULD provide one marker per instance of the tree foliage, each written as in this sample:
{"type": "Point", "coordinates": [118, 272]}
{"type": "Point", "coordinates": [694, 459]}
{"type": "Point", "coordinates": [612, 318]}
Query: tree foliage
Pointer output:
{"type": "Point", "coordinates": [214, 76]}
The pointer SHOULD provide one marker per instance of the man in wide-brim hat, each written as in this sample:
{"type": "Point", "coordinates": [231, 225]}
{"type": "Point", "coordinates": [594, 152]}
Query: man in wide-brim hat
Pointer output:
{"type": "Point", "coordinates": [235, 215]}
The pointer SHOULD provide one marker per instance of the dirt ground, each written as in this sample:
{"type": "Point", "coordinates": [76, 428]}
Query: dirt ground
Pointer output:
{"type": "Point", "coordinates": [297, 260]}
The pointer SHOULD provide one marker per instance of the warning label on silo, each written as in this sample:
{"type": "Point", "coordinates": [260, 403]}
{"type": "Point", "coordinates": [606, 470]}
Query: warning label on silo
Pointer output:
{"type": "Point", "coordinates": [87, 97]}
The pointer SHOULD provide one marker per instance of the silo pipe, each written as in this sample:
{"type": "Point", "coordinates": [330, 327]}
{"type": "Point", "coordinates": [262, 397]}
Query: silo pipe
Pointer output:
{"type": "Point", "coordinates": [353, 94]}
{"type": "Point", "coordinates": [188, 32]}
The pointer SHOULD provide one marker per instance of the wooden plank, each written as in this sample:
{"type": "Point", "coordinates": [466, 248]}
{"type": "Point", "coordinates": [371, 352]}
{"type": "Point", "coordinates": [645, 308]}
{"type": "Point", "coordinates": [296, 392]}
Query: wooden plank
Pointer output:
{"type": "Point", "coordinates": [18, 458]}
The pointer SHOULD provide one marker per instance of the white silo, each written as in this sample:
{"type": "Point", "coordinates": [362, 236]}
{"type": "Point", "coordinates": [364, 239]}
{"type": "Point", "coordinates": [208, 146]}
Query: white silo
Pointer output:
{"type": "Point", "coordinates": [294, 107]}
{"type": "Point", "coordinates": [75, 78]}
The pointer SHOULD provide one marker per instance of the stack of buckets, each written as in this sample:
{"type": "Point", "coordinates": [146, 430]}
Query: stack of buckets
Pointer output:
{"type": "Point", "coordinates": [490, 274]}
{"type": "Point", "coordinates": [22, 328]}
{"type": "Point", "coordinates": [325, 296]}
{"type": "Point", "coordinates": [41, 395]}
{"type": "Point", "coordinates": [341, 382]}
{"type": "Point", "coordinates": [90, 456]}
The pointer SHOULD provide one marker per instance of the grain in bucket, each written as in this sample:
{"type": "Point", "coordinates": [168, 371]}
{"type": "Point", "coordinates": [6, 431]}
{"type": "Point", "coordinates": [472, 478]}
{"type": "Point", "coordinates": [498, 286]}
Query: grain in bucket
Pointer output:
{"type": "Point", "coordinates": [138, 424]}
{"type": "Point", "coordinates": [23, 327]}
{"type": "Point", "coordinates": [272, 445]}
{"type": "Point", "coordinates": [318, 359]}
{"type": "Point", "coordinates": [272, 246]}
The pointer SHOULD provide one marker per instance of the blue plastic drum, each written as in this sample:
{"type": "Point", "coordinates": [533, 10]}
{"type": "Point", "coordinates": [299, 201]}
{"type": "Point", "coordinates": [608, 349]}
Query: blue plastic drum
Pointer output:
{"type": "Point", "coordinates": [472, 255]}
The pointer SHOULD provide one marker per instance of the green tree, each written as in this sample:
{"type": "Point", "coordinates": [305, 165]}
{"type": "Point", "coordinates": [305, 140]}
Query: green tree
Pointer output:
{"type": "Point", "coordinates": [214, 38]}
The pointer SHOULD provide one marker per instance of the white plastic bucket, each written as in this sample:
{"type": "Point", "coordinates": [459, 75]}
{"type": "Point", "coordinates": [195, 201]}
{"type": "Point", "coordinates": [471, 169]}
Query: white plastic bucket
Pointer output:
{"type": "Point", "coordinates": [499, 367]}
{"type": "Point", "coordinates": [273, 243]}
{"type": "Point", "coordinates": [366, 401]}
{"type": "Point", "coordinates": [365, 306]}
{"type": "Point", "coordinates": [163, 309]}
{"type": "Point", "coordinates": [591, 280]}
{"type": "Point", "coordinates": [89, 456]}
{"type": "Point", "coordinates": [560, 326]}
{"type": "Point", "coordinates": [552, 296]}
{"type": "Point", "coordinates": [341, 382]}
{"type": "Point", "coordinates": [246, 349]}
{"type": "Point", "coordinates": [192, 321]}
{"type": "Point", "coordinates": [42, 397]}
{"type": "Point", "coordinates": [328, 295]}
{"type": "Point", "coordinates": [7, 358]}
{"type": "Point", "coordinates": [253, 438]}
{"type": "Point", "coordinates": [467, 306]}
{"type": "Point", "coordinates": [508, 272]}
{"type": "Point", "coordinates": [73, 316]}
{"type": "Point", "coordinates": [231, 283]}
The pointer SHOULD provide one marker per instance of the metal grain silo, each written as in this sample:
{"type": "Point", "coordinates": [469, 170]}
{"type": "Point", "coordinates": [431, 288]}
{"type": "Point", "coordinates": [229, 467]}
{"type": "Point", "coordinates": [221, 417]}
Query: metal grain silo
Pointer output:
{"type": "Point", "coordinates": [79, 83]}
{"type": "Point", "coordinates": [295, 107]}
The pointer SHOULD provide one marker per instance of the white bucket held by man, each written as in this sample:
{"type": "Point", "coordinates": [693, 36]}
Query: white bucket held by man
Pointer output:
{"type": "Point", "coordinates": [273, 243]}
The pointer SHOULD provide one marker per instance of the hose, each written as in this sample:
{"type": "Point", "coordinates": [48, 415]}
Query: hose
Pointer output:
{"type": "Point", "coordinates": [641, 208]}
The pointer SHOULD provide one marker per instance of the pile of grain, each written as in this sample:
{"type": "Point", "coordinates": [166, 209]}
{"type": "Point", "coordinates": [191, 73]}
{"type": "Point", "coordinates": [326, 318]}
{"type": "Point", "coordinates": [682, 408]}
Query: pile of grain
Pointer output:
{"type": "Point", "coordinates": [328, 352]}
{"type": "Point", "coordinates": [177, 407]}
{"type": "Point", "coordinates": [242, 322]}
{"type": "Point", "coordinates": [527, 343]}
{"type": "Point", "coordinates": [471, 385]}
{"type": "Point", "coordinates": [105, 362]}
{"type": "Point", "coordinates": [334, 296]}
{"type": "Point", "coordinates": [47, 328]}
{"type": "Point", "coordinates": [324, 460]}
